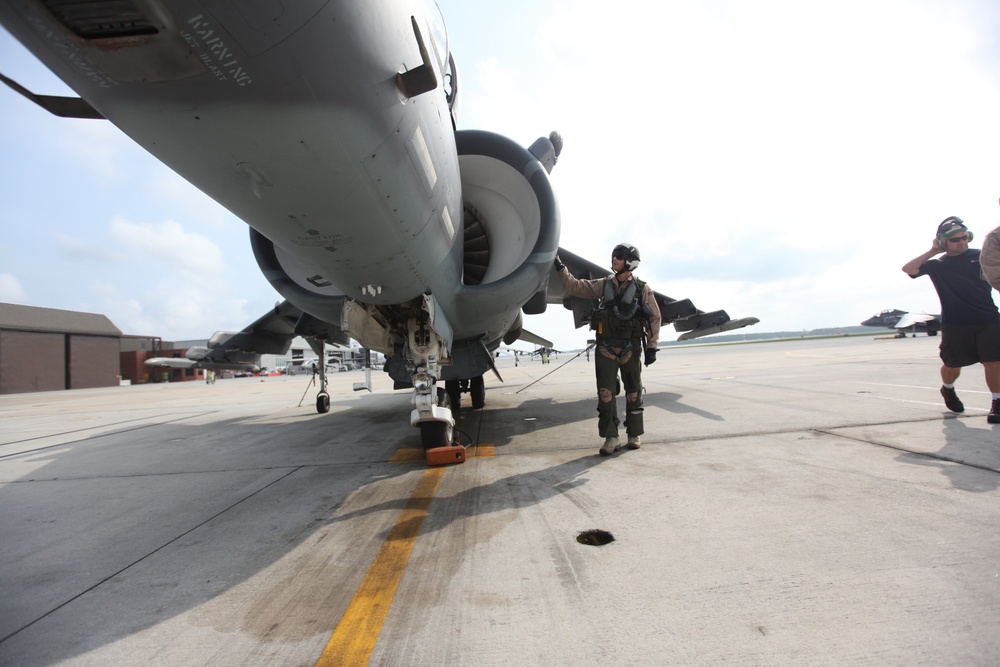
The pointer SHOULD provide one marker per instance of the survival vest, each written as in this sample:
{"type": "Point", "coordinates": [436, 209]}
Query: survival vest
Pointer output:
{"type": "Point", "coordinates": [621, 315]}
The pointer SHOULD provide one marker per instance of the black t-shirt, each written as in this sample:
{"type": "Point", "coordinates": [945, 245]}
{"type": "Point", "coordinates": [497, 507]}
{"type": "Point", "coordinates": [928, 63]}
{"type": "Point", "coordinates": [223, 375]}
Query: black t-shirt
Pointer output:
{"type": "Point", "coordinates": [965, 297]}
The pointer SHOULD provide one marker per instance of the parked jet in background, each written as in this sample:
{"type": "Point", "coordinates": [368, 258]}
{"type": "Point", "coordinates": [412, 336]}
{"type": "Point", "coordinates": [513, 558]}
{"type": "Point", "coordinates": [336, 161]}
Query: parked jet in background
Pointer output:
{"type": "Point", "coordinates": [240, 350]}
{"type": "Point", "coordinates": [200, 357]}
{"type": "Point", "coordinates": [902, 322]}
{"type": "Point", "coordinates": [329, 128]}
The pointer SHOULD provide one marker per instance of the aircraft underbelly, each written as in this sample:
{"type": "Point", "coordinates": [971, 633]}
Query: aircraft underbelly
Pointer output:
{"type": "Point", "coordinates": [307, 140]}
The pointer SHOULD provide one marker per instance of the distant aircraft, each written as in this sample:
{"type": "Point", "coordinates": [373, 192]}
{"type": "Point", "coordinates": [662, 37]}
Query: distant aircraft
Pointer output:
{"type": "Point", "coordinates": [330, 129]}
{"type": "Point", "coordinates": [199, 357]}
{"type": "Point", "coordinates": [240, 350]}
{"type": "Point", "coordinates": [902, 321]}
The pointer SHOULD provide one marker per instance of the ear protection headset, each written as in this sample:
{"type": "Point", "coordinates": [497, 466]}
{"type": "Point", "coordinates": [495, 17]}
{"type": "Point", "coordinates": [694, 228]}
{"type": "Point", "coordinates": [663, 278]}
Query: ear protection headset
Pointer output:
{"type": "Point", "coordinates": [629, 254]}
{"type": "Point", "coordinates": [950, 225]}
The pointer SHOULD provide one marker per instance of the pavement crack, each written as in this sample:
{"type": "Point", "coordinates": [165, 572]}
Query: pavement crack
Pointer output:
{"type": "Point", "coordinates": [151, 553]}
{"type": "Point", "coordinates": [929, 455]}
{"type": "Point", "coordinates": [93, 428]}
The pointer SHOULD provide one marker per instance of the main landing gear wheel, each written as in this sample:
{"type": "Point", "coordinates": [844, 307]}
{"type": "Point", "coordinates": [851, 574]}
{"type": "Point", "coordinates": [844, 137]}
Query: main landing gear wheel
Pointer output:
{"type": "Point", "coordinates": [475, 386]}
{"type": "Point", "coordinates": [322, 402]}
{"type": "Point", "coordinates": [477, 391]}
{"type": "Point", "coordinates": [454, 391]}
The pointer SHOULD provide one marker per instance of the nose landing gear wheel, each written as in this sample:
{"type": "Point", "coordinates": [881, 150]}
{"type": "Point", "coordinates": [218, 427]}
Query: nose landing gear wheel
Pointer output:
{"type": "Point", "coordinates": [437, 434]}
{"type": "Point", "coordinates": [322, 403]}
{"type": "Point", "coordinates": [433, 434]}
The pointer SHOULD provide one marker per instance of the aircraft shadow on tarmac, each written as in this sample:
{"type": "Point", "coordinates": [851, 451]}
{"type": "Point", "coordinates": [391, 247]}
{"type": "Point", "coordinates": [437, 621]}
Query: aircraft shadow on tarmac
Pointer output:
{"type": "Point", "coordinates": [494, 497]}
{"type": "Point", "coordinates": [671, 402]}
{"type": "Point", "coordinates": [310, 467]}
{"type": "Point", "coordinates": [104, 526]}
{"type": "Point", "coordinates": [543, 412]}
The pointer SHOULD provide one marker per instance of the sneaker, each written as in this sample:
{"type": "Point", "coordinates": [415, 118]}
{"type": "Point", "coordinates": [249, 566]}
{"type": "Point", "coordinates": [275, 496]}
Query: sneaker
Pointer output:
{"type": "Point", "coordinates": [951, 399]}
{"type": "Point", "coordinates": [633, 442]}
{"type": "Point", "coordinates": [994, 416]}
{"type": "Point", "coordinates": [611, 445]}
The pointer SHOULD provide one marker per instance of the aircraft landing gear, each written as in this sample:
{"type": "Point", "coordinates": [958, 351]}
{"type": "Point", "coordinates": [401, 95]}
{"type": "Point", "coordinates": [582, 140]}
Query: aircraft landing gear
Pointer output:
{"type": "Point", "coordinates": [476, 388]}
{"type": "Point", "coordinates": [477, 391]}
{"type": "Point", "coordinates": [434, 434]}
{"type": "Point", "coordinates": [433, 417]}
{"type": "Point", "coordinates": [323, 397]}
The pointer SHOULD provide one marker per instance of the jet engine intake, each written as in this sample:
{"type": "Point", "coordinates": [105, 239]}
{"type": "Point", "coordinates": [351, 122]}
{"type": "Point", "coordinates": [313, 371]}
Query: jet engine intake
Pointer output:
{"type": "Point", "coordinates": [511, 226]}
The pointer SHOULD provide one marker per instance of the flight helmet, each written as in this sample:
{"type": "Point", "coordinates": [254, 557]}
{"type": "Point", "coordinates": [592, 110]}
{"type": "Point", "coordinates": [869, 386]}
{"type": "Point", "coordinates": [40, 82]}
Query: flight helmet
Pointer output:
{"type": "Point", "coordinates": [629, 254]}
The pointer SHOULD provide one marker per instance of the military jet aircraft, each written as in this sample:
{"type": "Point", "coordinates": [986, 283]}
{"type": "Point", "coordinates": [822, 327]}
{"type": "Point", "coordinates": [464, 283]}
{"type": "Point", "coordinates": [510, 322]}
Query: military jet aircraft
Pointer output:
{"type": "Point", "coordinates": [330, 128]}
{"type": "Point", "coordinates": [199, 357]}
{"type": "Point", "coordinates": [902, 321]}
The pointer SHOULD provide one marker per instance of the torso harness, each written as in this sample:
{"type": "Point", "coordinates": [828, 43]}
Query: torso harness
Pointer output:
{"type": "Point", "coordinates": [617, 319]}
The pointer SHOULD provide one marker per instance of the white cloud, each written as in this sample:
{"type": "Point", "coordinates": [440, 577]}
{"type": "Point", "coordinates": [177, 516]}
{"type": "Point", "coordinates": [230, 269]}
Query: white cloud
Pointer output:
{"type": "Point", "coordinates": [168, 188]}
{"type": "Point", "coordinates": [168, 242]}
{"type": "Point", "coordinates": [77, 249]}
{"type": "Point", "coordinates": [11, 290]}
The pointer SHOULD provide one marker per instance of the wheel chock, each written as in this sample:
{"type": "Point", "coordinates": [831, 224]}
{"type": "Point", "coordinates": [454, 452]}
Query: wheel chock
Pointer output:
{"type": "Point", "coordinates": [442, 456]}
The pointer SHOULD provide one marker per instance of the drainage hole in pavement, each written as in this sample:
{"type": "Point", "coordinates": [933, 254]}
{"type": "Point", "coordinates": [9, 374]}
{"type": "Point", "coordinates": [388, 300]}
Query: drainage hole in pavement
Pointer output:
{"type": "Point", "coordinates": [595, 538]}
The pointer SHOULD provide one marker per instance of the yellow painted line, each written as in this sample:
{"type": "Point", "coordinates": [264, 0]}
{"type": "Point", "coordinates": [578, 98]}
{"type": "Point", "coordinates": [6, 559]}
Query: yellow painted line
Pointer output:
{"type": "Point", "coordinates": [354, 637]}
{"type": "Point", "coordinates": [407, 455]}
{"type": "Point", "coordinates": [480, 452]}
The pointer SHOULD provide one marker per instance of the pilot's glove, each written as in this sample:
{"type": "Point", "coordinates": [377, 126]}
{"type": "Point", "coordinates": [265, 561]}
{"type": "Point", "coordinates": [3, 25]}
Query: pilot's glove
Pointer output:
{"type": "Point", "coordinates": [558, 264]}
{"type": "Point", "coordinates": [650, 355]}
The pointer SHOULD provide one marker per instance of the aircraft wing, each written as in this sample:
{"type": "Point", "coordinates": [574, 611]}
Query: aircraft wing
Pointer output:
{"type": "Point", "coordinates": [535, 339]}
{"type": "Point", "coordinates": [912, 319]}
{"type": "Point", "coordinates": [172, 362]}
{"type": "Point", "coordinates": [681, 313]}
{"type": "Point", "coordinates": [208, 365]}
{"type": "Point", "coordinates": [271, 333]}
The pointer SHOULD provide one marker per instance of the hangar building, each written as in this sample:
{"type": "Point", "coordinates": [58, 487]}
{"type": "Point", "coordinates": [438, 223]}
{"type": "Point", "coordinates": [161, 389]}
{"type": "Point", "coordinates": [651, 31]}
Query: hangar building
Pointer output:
{"type": "Point", "coordinates": [44, 349]}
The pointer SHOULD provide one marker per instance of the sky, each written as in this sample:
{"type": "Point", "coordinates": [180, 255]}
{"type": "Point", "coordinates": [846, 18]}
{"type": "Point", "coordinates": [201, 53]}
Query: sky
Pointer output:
{"type": "Point", "coordinates": [775, 159]}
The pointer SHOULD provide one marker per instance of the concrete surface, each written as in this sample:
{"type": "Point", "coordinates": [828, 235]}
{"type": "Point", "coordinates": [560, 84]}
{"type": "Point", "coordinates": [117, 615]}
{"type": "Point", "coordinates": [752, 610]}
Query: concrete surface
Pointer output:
{"type": "Point", "coordinates": [794, 503]}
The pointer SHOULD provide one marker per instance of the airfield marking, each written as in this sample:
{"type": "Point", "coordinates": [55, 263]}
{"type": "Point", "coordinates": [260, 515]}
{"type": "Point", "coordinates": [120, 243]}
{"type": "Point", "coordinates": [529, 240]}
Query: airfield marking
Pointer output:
{"type": "Point", "coordinates": [907, 400]}
{"type": "Point", "coordinates": [915, 386]}
{"type": "Point", "coordinates": [354, 637]}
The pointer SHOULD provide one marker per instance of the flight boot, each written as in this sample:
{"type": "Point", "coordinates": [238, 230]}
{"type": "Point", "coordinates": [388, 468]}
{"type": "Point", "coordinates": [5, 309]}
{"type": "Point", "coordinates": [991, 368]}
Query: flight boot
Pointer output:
{"type": "Point", "coordinates": [611, 445]}
{"type": "Point", "coordinates": [951, 399]}
{"type": "Point", "coordinates": [633, 442]}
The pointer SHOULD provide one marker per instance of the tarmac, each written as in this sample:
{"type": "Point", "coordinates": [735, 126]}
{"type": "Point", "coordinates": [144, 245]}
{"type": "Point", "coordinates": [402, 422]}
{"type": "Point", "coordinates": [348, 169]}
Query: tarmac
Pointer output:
{"type": "Point", "coordinates": [803, 502]}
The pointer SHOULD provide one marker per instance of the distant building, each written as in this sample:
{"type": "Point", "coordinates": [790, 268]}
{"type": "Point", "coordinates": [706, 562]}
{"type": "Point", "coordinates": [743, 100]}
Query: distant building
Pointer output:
{"type": "Point", "coordinates": [44, 349]}
{"type": "Point", "coordinates": [300, 357]}
{"type": "Point", "coordinates": [137, 349]}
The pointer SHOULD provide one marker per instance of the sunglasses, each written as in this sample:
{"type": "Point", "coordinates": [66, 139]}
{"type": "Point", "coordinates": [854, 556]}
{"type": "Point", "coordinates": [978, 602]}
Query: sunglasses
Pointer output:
{"type": "Point", "coordinates": [958, 239]}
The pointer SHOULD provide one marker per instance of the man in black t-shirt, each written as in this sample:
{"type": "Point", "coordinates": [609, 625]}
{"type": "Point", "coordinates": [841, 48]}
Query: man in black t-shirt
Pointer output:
{"type": "Point", "coordinates": [970, 322]}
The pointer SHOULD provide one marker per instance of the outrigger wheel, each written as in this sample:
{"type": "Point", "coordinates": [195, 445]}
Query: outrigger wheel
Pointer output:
{"type": "Point", "coordinates": [322, 402]}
